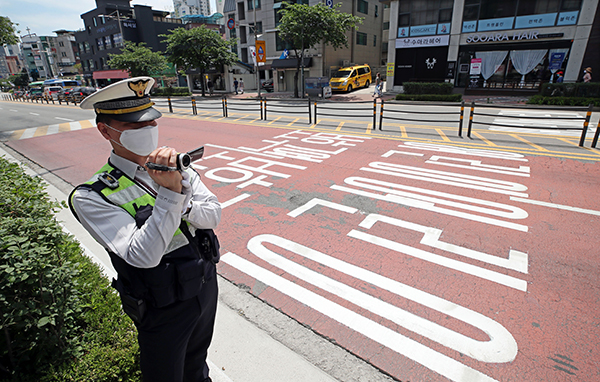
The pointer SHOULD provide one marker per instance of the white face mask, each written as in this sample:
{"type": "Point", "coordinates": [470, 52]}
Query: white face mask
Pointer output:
{"type": "Point", "coordinates": [141, 141]}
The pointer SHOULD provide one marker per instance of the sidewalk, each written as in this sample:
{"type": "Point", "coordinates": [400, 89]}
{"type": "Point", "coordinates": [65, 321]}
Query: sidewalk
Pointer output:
{"type": "Point", "coordinates": [240, 351]}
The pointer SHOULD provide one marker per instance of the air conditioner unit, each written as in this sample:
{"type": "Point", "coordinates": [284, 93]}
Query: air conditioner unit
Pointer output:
{"type": "Point", "coordinates": [345, 63]}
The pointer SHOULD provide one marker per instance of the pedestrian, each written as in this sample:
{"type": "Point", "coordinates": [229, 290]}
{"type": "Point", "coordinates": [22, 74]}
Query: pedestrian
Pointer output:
{"type": "Point", "coordinates": [211, 87]}
{"type": "Point", "coordinates": [377, 90]}
{"type": "Point", "coordinates": [156, 223]}
{"type": "Point", "coordinates": [560, 77]}
{"type": "Point", "coordinates": [242, 85]}
{"type": "Point", "coordinates": [587, 74]}
{"type": "Point", "coordinates": [235, 85]}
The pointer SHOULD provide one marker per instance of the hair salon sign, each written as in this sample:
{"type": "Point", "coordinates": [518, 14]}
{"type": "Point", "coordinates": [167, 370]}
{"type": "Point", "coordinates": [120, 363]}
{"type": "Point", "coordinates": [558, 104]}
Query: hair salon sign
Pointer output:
{"type": "Point", "coordinates": [506, 36]}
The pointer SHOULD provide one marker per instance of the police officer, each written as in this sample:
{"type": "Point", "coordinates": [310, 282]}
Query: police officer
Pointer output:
{"type": "Point", "coordinates": [157, 228]}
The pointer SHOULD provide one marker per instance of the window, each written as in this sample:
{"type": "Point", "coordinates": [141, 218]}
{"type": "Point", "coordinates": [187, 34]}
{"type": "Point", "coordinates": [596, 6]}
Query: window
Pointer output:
{"type": "Point", "coordinates": [107, 42]}
{"type": "Point", "coordinates": [494, 9]}
{"type": "Point", "coordinates": [244, 54]}
{"type": "Point", "coordinates": [278, 16]}
{"type": "Point", "coordinates": [100, 43]}
{"type": "Point", "coordinates": [374, 40]}
{"type": "Point", "coordinates": [570, 5]}
{"type": "Point", "coordinates": [241, 11]}
{"type": "Point", "coordinates": [63, 54]}
{"type": "Point", "coordinates": [376, 10]}
{"type": "Point", "coordinates": [259, 28]}
{"type": "Point", "coordinates": [361, 38]}
{"type": "Point", "coordinates": [362, 6]}
{"type": "Point", "coordinates": [386, 25]}
{"type": "Point", "coordinates": [280, 44]}
{"type": "Point", "coordinates": [118, 40]}
{"type": "Point", "coordinates": [533, 7]}
{"type": "Point", "coordinates": [243, 38]}
{"type": "Point", "coordinates": [87, 47]}
{"type": "Point", "coordinates": [61, 44]}
{"type": "Point", "coordinates": [252, 2]}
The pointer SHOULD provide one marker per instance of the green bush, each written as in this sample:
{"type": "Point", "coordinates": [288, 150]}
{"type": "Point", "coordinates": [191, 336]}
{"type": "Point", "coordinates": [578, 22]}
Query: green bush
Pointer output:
{"type": "Point", "coordinates": [428, 88]}
{"type": "Point", "coordinates": [582, 89]}
{"type": "Point", "coordinates": [429, 97]}
{"type": "Point", "coordinates": [60, 320]}
{"type": "Point", "coordinates": [563, 101]}
{"type": "Point", "coordinates": [169, 92]}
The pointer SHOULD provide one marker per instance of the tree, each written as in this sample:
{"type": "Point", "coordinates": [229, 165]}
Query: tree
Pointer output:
{"type": "Point", "coordinates": [304, 26]}
{"type": "Point", "coordinates": [7, 32]}
{"type": "Point", "coordinates": [138, 60]}
{"type": "Point", "coordinates": [199, 48]}
{"type": "Point", "coordinates": [20, 80]}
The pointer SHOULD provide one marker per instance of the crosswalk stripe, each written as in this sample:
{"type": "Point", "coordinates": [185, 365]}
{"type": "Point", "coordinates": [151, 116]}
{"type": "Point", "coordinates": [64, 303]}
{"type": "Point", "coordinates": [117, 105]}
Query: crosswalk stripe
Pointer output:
{"type": "Point", "coordinates": [51, 129]}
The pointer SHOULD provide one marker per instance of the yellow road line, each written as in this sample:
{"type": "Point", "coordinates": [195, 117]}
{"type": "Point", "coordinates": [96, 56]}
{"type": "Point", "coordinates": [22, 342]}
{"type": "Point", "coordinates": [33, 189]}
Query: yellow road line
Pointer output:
{"type": "Point", "coordinates": [41, 131]}
{"type": "Point", "coordinates": [86, 124]}
{"type": "Point", "coordinates": [444, 137]}
{"type": "Point", "coordinates": [16, 135]}
{"type": "Point", "coordinates": [275, 120]}
{"type": "Point", "coordinates": [369, 129]}
{"type": "Point", "coordinates": [489, 143]}
{"type": "Point", "coordinates": [595, 152]}
{"type": "Point", "coordinates": [294, 121]}
{"type": "Point", "coordinates": [403, 130]}
{"type": "Point", "coordinates": [529, 143]}
{"type": "Point", "coordinates": [340, 126]}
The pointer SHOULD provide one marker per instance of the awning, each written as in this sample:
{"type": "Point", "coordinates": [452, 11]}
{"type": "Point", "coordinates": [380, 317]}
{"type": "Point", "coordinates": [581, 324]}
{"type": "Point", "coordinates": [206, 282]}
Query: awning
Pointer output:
{"type": "Point", "coordinates": [291, 62]}
{"type": "Point", "coordinates": [109, 74]}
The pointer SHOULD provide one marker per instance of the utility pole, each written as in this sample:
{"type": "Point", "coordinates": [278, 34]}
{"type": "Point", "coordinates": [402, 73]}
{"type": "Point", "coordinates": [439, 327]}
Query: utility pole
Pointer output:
{"type": "Point", "coordinates": [256, 50]}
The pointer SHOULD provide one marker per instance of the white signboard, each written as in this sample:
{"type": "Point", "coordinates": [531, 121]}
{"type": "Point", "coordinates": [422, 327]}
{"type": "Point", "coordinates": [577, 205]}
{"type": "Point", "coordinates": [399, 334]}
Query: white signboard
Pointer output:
{"type": "Point", "coordinates": [475, 66]}
{"type": "Point", "coordinates": [422, 42]}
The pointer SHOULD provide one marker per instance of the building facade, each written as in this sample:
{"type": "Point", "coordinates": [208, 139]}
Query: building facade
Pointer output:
{"type": "Point", "coordinates": [364, 42]}
{"type": "Point", "coordinates": [108, 26]}
{"type": "Point", "coordinates": [496, 45]}
{"type": "Point", "coordinates": [191, 7]}
{"type": "Point", "coordinates": [37, 56]}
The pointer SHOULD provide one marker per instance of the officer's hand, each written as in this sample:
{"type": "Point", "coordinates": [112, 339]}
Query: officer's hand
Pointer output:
{"type": "Point", "coordinates": [166, 156]}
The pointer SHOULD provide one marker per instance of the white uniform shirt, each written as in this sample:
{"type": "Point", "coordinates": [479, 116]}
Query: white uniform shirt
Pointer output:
{"type": "Point", "coordinates": [116, 230]}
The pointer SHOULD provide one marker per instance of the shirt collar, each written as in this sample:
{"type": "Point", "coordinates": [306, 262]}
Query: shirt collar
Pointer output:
{"type": "Point", "coordinates": [128, 167]}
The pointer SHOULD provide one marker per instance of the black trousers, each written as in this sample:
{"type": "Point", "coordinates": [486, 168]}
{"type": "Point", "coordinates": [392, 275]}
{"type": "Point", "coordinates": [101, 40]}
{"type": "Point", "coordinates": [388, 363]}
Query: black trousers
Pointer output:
{"type": "Point", "coordinates": [174, 340]}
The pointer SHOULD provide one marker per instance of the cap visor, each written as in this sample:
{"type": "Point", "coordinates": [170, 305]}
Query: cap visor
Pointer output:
{"type": "Point", "coordinates": [147, 115]}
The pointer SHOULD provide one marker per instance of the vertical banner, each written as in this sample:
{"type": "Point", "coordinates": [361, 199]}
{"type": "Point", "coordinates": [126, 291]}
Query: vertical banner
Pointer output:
{"type": "Point", "coordinates": [390, 70]}
{"type": "Point", "coordinates": [475, 66]}
{"type": "Point", "coordinates": [261, 53]}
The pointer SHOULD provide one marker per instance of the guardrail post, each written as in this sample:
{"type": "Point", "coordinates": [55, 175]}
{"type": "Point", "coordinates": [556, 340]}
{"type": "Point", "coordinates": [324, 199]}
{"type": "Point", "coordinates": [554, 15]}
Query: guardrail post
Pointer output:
{"type": "Point", "coordinates": [381, 114]}
{"type": "Point", "coordinates": [261, 108]}
{"type": "Point", "coordinates": [170, 105]}
{"type": "Point", "coordinates": [225, 106]}
{"type": "Point", "coordinates": [471, 119]}
{"type": "Point", "coordinates": [462, 114]}
{"type": "Point", "coordinates": [315, 111]}
{"type": "Point", "coordinates": [265, 109]}
{"type": "Point", "coordinates": [374, 113]}
{"type": "Point", "coordinates": [585, 126]}
{"type": "Point", "coordinates": [194, 111]}
{"type": "Point", "coordinates": [309, 113]}
{"type": "Point", "coordinates": [596, 135]}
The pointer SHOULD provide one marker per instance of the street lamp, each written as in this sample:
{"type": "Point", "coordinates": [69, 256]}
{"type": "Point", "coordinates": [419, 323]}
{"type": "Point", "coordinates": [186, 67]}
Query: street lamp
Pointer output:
{"type": "Point", "coordinates": [111, 16]}
{"type": "Point", "coordinates": [255, 49]}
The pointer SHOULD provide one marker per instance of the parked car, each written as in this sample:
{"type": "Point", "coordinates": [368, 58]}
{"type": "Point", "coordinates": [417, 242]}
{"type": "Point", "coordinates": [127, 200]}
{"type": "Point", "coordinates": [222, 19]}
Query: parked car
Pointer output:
{"type": "Point", "coordinates": [34, 93]}
{"type": "Point", "coordinates": [76, 94]}
{"type": "Point", "coordinates": [267, 85]}
{"type": "Point", "coordinates": [52, 91]}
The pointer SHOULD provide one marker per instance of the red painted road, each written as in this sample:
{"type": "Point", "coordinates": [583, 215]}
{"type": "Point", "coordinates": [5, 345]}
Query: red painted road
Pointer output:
{"type": "Point", "coordinates": [429, 262]}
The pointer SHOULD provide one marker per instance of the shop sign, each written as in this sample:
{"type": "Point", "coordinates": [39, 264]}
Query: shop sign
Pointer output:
{"type": "Point", "coordinates": [545, 20]}
{"type": "Point", "coordinates": [567, 18]}
{"type": "Point", "coordinates": [475, 66]}
{"type": "Point", "coordinates": [495, 24]}
{"type": "Point", "coordinates": [495, 37]}
{"type": "Point", "coordinates": [390, 70]}
{"type": "Point", "coordinates": [556, 60]}
{"type": "Point", "coordinates": [423, 30]}
{"type": "Point", "coordinates": [422, 42]}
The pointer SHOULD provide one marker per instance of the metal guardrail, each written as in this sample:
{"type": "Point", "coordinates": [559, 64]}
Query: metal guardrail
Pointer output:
{"type": "Point", "coordinates": [295, 105]}
{"type": "Point", "coordinates": [354, 108]}
{"type": "Point", "coordinates": [583, 128]}
{"type": "Point", "coordinates": [412, 110]}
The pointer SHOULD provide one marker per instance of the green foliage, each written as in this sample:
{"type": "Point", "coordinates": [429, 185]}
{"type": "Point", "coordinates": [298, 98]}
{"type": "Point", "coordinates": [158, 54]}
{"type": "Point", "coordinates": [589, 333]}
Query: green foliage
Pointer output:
{"type": "Point", "coordinates": [7, 32]}
{"type": "Point", "coordinates": [570, 89]}
{"type": "Point", "coordinates": [430, 97]}
{"type": "Point", "coordinates": [138, 60]}
{"type": "Point", "coordinates": [428, 88]}
{"type": "Point", "coordinates": [563, 101]}
{"type": "Point", "coordinates": [60, 320]}
{"type": "Point", "coordinates": [304, 26]}
{"type": "Point", "coordinates": [169, 92]}
{"type": "Point", "coordinates": [20, 80]}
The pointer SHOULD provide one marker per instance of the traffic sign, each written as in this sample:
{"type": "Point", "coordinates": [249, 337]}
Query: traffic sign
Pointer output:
{"type": "Point", "coordinates": [329, 3]}
{"type": "Point", "coordinates": [231, 23]}
{"type": "Point", "coordinates": [261, 53]}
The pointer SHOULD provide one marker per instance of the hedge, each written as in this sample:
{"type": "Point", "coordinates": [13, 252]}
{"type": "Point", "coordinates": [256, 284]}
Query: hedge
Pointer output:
{"type": "Point", "coordinates": [429, 97]}
{"type": "Point", "coordinates": [60, 319]}
{"type": "Point", "coordinates": [571, 89]}
{"type": "Point", "coordinates": [563, 101]}
{"type": "Point", "coordinates": [167, 92]}
{"type": "Point", "coordinates": [428, 88]}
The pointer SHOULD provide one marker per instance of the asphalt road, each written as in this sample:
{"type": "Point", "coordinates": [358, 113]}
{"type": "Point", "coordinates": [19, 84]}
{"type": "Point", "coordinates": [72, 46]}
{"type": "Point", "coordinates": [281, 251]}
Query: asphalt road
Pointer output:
{"type": "Point", "coordinates": [22, 115]}
{"type": "Point", "coordinates": [430, 260]}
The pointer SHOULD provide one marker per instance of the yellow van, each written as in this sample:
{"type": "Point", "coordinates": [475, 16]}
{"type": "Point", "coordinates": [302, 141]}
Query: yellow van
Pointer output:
{"type": "Point", "coordinates": [352, 77]}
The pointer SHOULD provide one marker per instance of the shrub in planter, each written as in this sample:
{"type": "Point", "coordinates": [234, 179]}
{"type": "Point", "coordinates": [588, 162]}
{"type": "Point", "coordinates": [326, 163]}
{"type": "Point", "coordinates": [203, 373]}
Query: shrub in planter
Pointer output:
{"type": "Point", "coordinates": [169, 92]}
{"type": "Point", "coordinates": [429, 97]}
{"type": "Point", "coordinates": [428, 88]}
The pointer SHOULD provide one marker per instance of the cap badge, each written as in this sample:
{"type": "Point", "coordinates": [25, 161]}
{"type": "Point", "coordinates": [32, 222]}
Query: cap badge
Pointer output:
{"type": "Point", "coordinates": [138, 87]}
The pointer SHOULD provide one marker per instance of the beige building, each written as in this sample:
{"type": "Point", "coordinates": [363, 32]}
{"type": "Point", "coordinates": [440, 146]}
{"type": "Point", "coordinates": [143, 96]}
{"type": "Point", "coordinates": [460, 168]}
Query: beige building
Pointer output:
{"type": "Point", "coordinates": [364, 43]}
